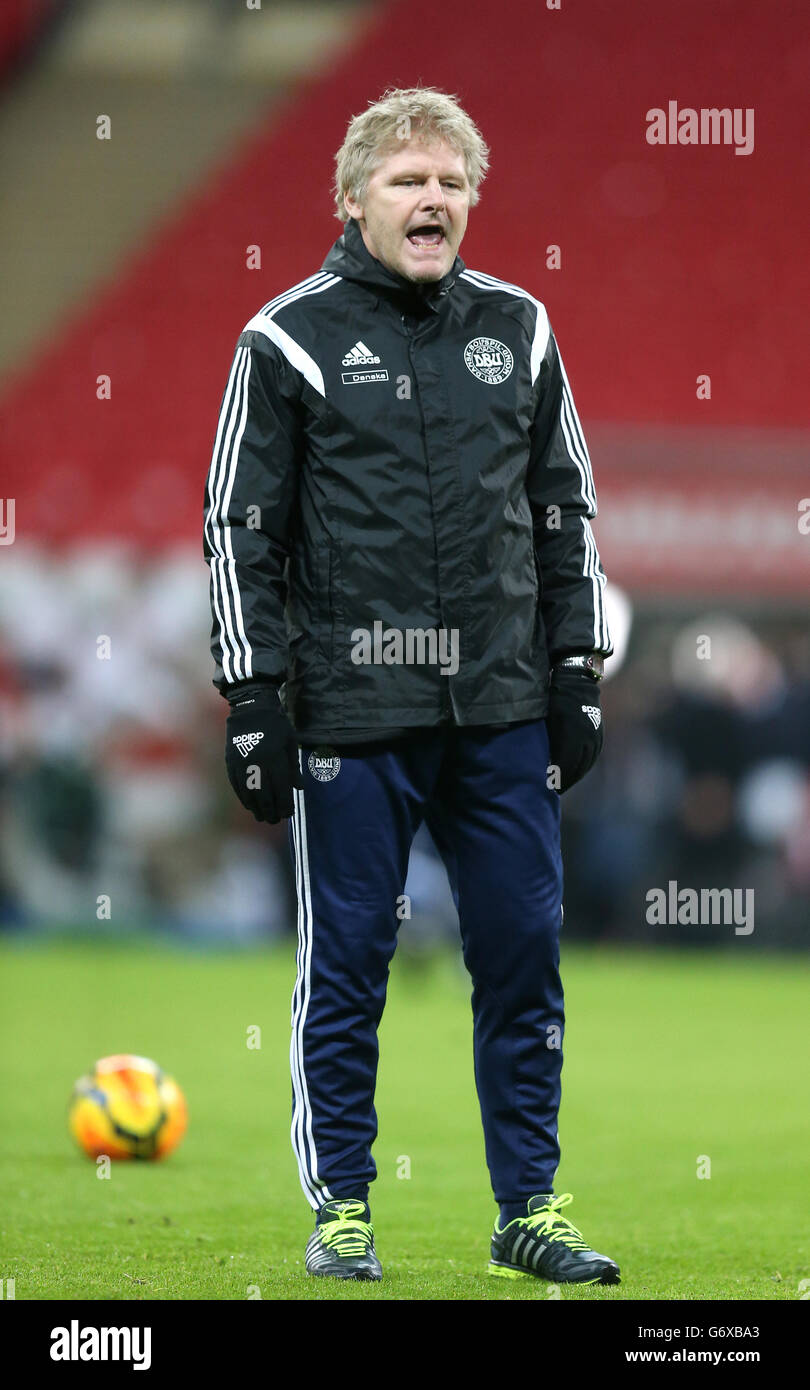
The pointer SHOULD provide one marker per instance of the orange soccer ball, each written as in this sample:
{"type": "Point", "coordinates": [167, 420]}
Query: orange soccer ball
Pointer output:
{"type": "Point", "coordinates": [126, 1107]}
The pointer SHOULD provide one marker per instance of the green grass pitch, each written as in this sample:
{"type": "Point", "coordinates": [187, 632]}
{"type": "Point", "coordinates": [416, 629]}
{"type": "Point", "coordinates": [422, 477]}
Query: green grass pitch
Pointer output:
{"type": "Point", "coordinates": [668, 1057]}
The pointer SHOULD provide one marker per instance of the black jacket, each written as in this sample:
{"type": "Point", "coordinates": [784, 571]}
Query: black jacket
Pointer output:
{"type": "Point", "coordinates": [405, 456]}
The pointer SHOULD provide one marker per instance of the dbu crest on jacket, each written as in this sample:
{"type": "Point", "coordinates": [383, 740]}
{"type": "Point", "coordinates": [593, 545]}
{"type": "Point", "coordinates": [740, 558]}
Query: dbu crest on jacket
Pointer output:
{"type": "Point", "coordinates": [399, 472]}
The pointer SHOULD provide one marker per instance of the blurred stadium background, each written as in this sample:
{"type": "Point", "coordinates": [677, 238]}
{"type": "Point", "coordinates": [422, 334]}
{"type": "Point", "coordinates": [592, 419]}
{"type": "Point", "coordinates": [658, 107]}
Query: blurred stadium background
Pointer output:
{"type": "Point", "coordinates": [127, 258]}
{"type": "Point", "coordinates": [127, 262]}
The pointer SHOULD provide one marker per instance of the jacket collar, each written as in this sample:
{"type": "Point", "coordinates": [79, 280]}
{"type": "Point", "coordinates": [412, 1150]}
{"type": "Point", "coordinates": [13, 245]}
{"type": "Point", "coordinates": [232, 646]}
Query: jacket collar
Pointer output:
{"type": "Point", "coordinates": [351, 259]}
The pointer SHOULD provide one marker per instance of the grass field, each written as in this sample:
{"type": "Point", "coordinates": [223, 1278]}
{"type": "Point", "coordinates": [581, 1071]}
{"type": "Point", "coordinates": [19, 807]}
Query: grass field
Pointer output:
{"type": "Point", "coordinates": [668, 1057]}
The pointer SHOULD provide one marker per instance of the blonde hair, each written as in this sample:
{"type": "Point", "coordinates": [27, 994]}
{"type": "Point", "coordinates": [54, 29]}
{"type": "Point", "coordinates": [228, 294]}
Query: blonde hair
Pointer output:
{"type": "Point", "coordinates": [400, 114]}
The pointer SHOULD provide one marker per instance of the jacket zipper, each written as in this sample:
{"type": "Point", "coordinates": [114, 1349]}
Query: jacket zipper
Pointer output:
{"type": "Point", "coordinates": [447, 715]}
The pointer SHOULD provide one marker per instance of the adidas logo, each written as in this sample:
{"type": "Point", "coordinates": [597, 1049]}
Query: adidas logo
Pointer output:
{"type": "Point", "coordinates": [360, 356]}
{"type": "Point", "coordinates": [594, 714]}
{"type": "Point", "coordinates": [247, 742]}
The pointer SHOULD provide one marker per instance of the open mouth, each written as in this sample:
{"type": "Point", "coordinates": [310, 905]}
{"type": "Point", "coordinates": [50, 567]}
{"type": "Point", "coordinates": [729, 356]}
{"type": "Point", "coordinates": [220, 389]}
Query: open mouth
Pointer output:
{"type": "Point", "coordinates": [428, 236]}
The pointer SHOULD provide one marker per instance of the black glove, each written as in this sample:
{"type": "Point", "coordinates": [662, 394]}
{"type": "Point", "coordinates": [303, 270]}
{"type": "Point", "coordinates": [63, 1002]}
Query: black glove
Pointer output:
{"type": "Point", "coordinates": [261, 752]}
{"type": "Point", "coordinates": [574, 723]}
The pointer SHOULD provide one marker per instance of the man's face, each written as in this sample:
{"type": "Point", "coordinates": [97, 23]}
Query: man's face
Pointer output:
{"type": "Point", "coordinates": [414, 213]}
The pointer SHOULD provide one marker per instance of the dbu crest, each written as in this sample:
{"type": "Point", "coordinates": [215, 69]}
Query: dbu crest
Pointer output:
{"type": "Point", "coordinates": [489, 360]}
{"type": "Point", "coordinates": [324, 764]}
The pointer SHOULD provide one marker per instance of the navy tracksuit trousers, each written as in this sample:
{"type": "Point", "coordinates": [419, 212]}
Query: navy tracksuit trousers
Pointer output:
{"type": "Point", "coordinates": [496, 824]}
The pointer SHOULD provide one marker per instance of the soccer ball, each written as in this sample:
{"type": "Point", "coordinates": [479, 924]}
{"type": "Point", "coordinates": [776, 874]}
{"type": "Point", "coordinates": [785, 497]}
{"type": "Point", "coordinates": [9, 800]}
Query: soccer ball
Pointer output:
{"type": "Point", "coordinates": [127, 1108]}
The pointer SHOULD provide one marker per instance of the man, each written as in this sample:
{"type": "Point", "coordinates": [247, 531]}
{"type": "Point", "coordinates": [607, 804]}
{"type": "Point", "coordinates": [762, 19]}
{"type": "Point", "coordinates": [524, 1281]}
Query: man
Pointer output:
{"type": "Point", "coordinates": [409, 625]}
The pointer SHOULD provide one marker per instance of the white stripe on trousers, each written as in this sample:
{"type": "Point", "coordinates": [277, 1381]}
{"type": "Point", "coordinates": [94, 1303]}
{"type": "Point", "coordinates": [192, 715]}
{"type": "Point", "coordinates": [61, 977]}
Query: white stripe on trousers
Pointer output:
{"type": "Point", "coordinates": [316, 1192]}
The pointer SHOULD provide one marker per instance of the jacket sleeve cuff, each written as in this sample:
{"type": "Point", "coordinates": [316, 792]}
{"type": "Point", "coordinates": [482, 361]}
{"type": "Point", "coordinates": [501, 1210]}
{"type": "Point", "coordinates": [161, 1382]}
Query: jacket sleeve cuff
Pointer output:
{"type": "Point", "coordinates": [237, 690]}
